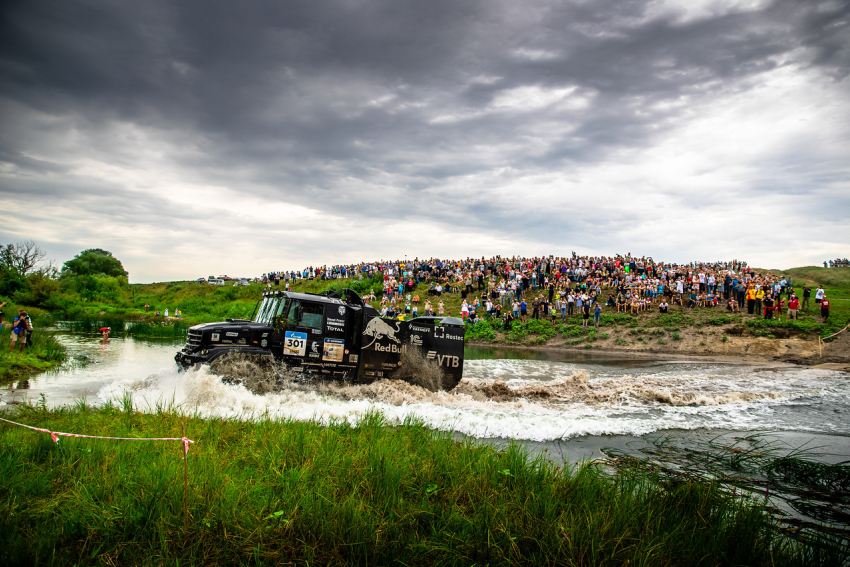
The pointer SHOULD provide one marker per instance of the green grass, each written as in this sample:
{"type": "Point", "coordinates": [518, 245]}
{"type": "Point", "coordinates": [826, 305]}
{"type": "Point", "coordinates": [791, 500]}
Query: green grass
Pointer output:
{"type": "Point", "coordinates": [482, 330]}
{"type": "Point", "coordinates": [43, 354]}
{"type": "Point", "coordinates": [281, 492]}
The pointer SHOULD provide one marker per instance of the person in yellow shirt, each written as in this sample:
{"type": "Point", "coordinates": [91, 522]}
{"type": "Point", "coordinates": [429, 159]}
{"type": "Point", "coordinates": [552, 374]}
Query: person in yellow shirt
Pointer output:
{"type": "Point", "coordinates": [751, 299]}
{"type": "Point", "coordinates": [759, 298]}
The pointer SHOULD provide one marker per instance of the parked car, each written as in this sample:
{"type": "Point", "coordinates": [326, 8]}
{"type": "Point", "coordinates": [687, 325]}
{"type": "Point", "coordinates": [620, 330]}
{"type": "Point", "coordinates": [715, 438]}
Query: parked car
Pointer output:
{"type": "Point", "coordinates": [242, 281]}
{"type": "Point", "coordinates": [215, 281]}
{"type": "Point", "coordinates": [200, 280]}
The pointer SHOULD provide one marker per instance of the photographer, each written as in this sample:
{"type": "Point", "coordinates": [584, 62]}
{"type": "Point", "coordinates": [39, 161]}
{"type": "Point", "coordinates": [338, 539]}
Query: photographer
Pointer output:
{"type": "Point", "coordinates": [20, 330]}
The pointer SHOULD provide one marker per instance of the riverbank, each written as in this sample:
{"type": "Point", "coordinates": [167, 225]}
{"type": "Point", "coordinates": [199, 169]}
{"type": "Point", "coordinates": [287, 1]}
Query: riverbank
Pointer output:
{"type": "Point", "coordinates": [275, 492]}
{"type": "Point", "coordinates": [711, 333]}
{"type": "Point", "coordinates": [45, 353]}
{"type": "Point", "coordinates": [700, 332]}
{"type": "Point", "coordinates": [646, 339]}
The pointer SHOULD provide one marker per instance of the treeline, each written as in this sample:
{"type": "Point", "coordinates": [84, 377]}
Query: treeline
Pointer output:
{"type": "Point", "coordinates": [94, 284]}
{"type": "Point", "coordinates": [28, 278]}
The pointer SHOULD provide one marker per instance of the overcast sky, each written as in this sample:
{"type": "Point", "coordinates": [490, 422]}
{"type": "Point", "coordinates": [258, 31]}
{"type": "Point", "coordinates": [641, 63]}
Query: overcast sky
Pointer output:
{"type": "Point", "coordinates": [196, 138]}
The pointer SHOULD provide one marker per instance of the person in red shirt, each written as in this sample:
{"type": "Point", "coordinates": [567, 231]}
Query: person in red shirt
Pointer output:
{"type": "Point", "coordinates": [824, 308]}
{"type": "Point", "coordinates": [793, 307]}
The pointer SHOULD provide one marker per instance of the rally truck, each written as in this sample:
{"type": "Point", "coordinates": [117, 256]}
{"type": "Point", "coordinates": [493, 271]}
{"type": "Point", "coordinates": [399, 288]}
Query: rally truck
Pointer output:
{"type": "Point", "coordinates": [333, 335]}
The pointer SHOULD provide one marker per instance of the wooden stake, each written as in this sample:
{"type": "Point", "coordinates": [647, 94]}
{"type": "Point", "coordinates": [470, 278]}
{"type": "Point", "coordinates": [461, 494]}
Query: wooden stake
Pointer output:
{"type": "Point", "coordinates": [820, 347]}
{"type": "Point", "coordinates": [185, 484]}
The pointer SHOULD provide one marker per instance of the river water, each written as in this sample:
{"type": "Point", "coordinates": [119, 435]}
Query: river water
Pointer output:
{"type": "Point", "coordinates": [564, 404]}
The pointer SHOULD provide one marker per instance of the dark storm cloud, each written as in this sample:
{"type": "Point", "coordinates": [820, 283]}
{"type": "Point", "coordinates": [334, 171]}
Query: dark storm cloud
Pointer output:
{"type": "Point", "coordinates": [378, 108]}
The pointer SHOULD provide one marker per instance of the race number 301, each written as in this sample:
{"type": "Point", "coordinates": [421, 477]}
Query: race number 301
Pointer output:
{"type": "Point", "coordinates": [294, 344]}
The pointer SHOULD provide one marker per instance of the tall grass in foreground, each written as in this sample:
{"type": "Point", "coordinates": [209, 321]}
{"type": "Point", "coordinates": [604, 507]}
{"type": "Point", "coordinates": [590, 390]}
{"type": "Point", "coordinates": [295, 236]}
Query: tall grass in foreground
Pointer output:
{"type": "Point", "coordinates": [274, 492]}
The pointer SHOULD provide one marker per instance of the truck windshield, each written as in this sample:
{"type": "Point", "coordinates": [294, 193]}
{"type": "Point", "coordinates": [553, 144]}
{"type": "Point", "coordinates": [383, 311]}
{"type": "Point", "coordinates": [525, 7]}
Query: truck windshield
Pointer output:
{"type": "Point", "coordinates": [267, 310]}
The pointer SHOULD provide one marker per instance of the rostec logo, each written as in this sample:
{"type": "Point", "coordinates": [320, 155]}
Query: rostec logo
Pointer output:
{"type": "Point", "coordinates": [450, 361]}
{"type": "Point", "coordinates": [379, 329]}
{"type": "Point", "coordinates": [440, 333]}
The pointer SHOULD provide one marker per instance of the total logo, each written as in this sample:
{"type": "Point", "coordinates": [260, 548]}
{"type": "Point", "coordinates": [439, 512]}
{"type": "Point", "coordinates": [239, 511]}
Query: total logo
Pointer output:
{"type": "Point", "coordinates": [388, 348]}
{"type": "Point", "coordinates": [451, 361]}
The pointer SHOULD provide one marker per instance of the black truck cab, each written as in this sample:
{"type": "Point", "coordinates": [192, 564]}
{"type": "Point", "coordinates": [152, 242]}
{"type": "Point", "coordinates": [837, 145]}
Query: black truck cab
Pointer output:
{"type": "Point", "coordinates": [335, 335]}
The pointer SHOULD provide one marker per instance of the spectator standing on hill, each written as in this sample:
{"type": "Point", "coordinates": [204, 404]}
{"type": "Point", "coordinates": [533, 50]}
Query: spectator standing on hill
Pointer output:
{"type": "Point", "coordinates": [742, 289]}
{"type": "Point", "coordinates": [768, 306]}
{"type": "Point", "coordinates": [819, 294]}
{"type": "Point", "coordinates": [2, 305]}
{"type": "Point", "coordinates": [824, 308]}
{"type": "Point", "coordinates": [585, 314]}
{"type": "Point", "coordinates": [751, 299]}
{"type": "Point", "coordinates": [807, 293]}
{"type": "Point", "coordinates": [793, 307]}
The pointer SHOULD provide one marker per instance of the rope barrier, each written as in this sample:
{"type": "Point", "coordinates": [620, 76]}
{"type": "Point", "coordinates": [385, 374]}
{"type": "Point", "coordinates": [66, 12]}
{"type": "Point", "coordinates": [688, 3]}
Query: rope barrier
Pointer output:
{"type": "Point", "coordinates": [822, 339]}
{"type": "Point", "coordinates": [54, 435]}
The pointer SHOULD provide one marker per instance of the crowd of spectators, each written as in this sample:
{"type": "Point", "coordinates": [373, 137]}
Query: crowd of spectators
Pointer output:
{"type": "Point", "coordinates": [554, 287]}
{"type": "Point", "coordinates": [837, 263]}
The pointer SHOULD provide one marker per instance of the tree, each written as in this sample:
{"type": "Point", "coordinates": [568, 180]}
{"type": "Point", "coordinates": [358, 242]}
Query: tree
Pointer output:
{"type": "Point", "coordinates": [94, 262]}
{"type": "Point", "coordinates": [21, 257]}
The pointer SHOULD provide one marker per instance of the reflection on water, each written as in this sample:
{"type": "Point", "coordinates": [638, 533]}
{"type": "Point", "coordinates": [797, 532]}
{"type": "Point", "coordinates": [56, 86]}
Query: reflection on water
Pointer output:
{"type": "Point", "coordinates": [92, 362]}
{"type": "Point", "coordinates": [492, 353]}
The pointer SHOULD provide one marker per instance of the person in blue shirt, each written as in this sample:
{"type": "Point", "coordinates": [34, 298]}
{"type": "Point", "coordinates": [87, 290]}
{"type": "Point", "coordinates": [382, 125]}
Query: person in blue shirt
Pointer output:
{"type": "Point", "coordinates": [523, 310]}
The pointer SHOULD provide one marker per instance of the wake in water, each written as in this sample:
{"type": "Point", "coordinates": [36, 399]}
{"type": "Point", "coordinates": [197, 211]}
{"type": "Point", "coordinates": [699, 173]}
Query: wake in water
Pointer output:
{"type": "Point", "coordinates": [419, 382]}
{"type": "Point", "coordinates": [531, 400]}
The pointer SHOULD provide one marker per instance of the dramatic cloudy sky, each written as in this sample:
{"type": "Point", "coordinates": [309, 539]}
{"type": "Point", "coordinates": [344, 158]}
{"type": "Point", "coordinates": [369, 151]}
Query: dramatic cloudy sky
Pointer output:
{"type": "Point", "coordinates": [196, 137]}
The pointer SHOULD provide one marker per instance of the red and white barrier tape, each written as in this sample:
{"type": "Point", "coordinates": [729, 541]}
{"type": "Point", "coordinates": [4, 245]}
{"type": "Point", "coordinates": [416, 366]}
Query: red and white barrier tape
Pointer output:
{"type": "Point", "coordinates": [56, 434]}
{"type": "Point", "coordinates": [822, 339]}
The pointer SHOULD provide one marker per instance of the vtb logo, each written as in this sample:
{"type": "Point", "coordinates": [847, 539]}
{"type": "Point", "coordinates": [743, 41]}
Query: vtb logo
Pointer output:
{"type": "Point", "coordinates": [450, 361]}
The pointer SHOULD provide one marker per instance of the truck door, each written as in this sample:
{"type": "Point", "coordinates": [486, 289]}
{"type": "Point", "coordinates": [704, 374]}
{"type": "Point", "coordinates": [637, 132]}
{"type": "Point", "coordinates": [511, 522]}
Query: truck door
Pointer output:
{"type": "Point", "coordinates": [338, 348]}
{"type": "Point", "coordinates": [303, 332]}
